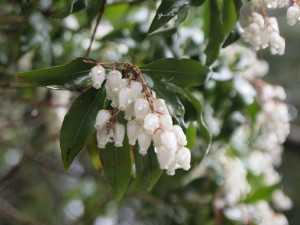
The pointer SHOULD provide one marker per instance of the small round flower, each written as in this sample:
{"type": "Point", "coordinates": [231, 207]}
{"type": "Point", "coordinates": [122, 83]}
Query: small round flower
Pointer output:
{"type": "Point", "coordinates": [151, 122]}
{"type": "Point", "coordinates": [164, 156]}
{"type": "Point", "coordinates": [166, 122]}
{"type": "Point", "coordinates": [103, 116]}
{"type": "Point", "coordinates": [98, 76]}
{"type": "Point", "coordinates": [119, 134]}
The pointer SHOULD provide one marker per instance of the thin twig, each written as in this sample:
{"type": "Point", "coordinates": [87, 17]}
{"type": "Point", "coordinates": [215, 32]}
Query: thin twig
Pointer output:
{"type": "Point", "coordinates": [101, 11]}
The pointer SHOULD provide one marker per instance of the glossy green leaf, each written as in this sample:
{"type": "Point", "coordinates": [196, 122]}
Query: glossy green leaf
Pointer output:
{"type": "Point", "coordinates": [215, 33]}
{"type": "Point", "coordinates": [73, 7]}
{"type": "Point", "coordinates": [191, 135]}
{"type": "Point", "coordinates": [164, 90]}
{"type": "Point", "coordinates": [93, 151]}
{"type": "Point", "coordinates": [66, 76]}
{"type": "Point", "coordinates": [117, 166]}
{"type": "Point", "coordinates": [166, 11]}
{"type": "Point", "coordinates": [233, 37]}
{"type": "Point", "coordinates": [199, 108]}
{"type": "Point", "coordinates": [197, 3]}
{"type": "Point", "coordinates": [181, 72]}
{"type": "Point", "coordinates": [78, 124]}
{"type": "Point", "coordinates": [147, 167]}
{"type": "Point", "coordinates": [221, 19]}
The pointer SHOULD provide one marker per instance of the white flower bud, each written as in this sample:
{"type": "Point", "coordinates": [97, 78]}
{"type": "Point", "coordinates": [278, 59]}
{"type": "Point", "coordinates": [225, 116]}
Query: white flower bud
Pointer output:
{"type": "Point", "coordinates": [164, 156]}
{"type": "Point", "coordinates": [168, 139]}
{"type": "Point", "coordinates": [144, 140]}
{"type": "Point", "coordinates": [160, 106]}
{"type": "Point", "coordinates": [172, 167]}
{"type": "Point", "coordinates": [129, 112]}
{"type": "Point", "coordinates": [141, 108]}
{"type": "Point", "coordinates": [125, 98]}
{"type": "Point", "coordinates": [277, 44]}
{"type": "Point", "coordinates": [151, 122]}
{"type": "Point", "coordinates": [103, 116]}
{"type": "Point", "coordinates": [136, 88]}
{"type": "Point", "coordinates": [258, 19]}
{"type": "Point", "coordinates": [166, 122]}
{"type": "Point", "coordinates": [292, 14]}
{"type": "Point", "coordinates": [183, 156]}
{"type": "Point", "coordinates": [133, 131]}
{"type": "Point", "coordinates": [98, 76]}
{"type": "Point", "coordinates": [180, 136]}
{"type": "Point", "coordinates": [119, 134]}
{"type": "Point", "coordinates": [114, 83]}
{"type": "Point", "coordinates": [156, 137]}
{"type": "Point", "coordinates": [103, 137]}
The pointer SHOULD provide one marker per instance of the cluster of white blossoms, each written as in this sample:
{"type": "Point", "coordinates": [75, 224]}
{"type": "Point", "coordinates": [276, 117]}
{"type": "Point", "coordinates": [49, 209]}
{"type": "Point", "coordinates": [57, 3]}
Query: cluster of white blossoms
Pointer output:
{"type": "Point", "coordinates": [148, 120]}
{"type": "Point", "coordinates": [293, 12]}
{"type": "Point", "coordinates": [264, 32]}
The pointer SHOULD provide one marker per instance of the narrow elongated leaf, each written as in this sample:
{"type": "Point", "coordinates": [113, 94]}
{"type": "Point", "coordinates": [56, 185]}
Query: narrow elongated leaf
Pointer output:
{"type": "Point", "coordinates": [116, 164]}
{"type": "Point", "coordinates": [93, 151]}
{"type": "Point", "coordinates": [78, 124]}
{"type": "Point", "coordinates": [73, 7]}
{"type": "Point", "coordinates": [147, 167]}
{"type": "Point", "coordinates": [166, 11]}
{"type": "Point", "coordinates": [199, 108]}
{"type": "Point", "coordinates": [175, 107]}
{"type": "Point", "coordinates": [216, 32]}
{"type": "Point", "coordinates": [62, 77]}
{"type": "Point", "coordinates": [182, 72]}
{"type": "Point", "coordinates": [261, 193]}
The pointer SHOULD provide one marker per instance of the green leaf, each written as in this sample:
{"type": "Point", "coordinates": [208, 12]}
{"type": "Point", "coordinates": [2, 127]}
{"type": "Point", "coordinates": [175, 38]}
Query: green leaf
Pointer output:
{"type": "Point", "coordinates": [197, 3]}
{"type": "Point", "coordinates": [216, 32]}
{"type": "Point", "coordinates": [181, 72]}
{"type": "Point", "coordinates": [78, 124]}
{"type": "Point", "coordinates": [147, 167]}
{"type": "Point", "coordinates": [261, 193]}
{"type": "Point", "coordinates": [199, 108]}
{"type": "Point", "coordinates": [166, 11]}
{"type": "Point", "coordinates": [93, 151]}
{"type": "Point", "coordinates": [221, 20]}
{"type": "Point", "coordinates": [73, 7]}
{"type": "Point", "coordinates": [66, 76]}
{"type": "Point", "coordinates": [116, 164]}
{"type": "Point", "coordinates": [191, 135]}
{"type": "Point", "coordinates": [175, 107]}
{"type": "Point", "coordinates": [233, 37]}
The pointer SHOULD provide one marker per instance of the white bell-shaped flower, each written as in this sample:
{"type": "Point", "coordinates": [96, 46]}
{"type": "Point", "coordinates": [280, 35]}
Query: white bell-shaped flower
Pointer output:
{"type": "Point", "coordinates": [168, 139]}
{"type": "Point", "coordinates": [165, 157]}
{"type": "Point", "coordinates": [103, 137]}
{"type": "Point", "coordinates": [114, 83]}
{"type": "Point", "coordinates": [125, 98]}
{"type": "Point", "coordinates": [133, 131]}
{"type": "Point", "coordinates": [103, 116]}
{"type": "Point", "coordinates": [144, 140]}
{"type": "Point", "coordinates": [171, 168]}
{"type": "Point", "coordinates": [151, 122]}
{"type": "Point", "coordinates": [129, 112]}
{"type": "Point", "coordinates": [166, 122]}
{"type": "Point", "coordinates": [98, 76]}
{"type": "Point", "coordinates": [119, 134]}
{"type": "Point", "coordinates": [160, 106]}
{"type": "Point", "coordinates": [141, 108]}
{"type": "Point", "coordinates": [183, 156]}
{"type": "Point", "coordinates": [136, 88]}
{"type": "Point", "coordinates": [292, 14]}
{"type": "Point", "coordinates": [180, 136]}
{"type": "Point", "coordinates": [156, 137]}
{"type": "Point", "coordinates": [277, 43]}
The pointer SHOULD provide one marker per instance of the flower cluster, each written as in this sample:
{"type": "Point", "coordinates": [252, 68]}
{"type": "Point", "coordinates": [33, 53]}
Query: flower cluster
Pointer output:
{"type": "Point", "coordinates": [148, 119]}
{"type": "Point", "coordinates": [264, 32]}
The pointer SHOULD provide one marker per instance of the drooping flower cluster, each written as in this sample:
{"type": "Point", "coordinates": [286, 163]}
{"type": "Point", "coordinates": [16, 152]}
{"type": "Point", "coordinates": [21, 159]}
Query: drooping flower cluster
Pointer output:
{"type": "Point", "coordinates": [264, 32]}
{"type": "Point", "coordinates": [148, 119]}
